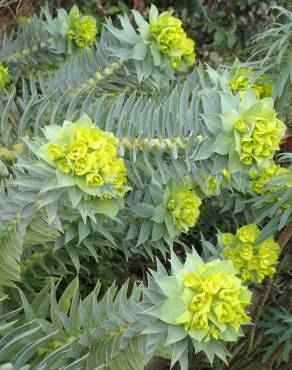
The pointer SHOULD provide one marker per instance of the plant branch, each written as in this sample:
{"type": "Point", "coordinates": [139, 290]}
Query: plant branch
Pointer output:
{"type": "Point", "coordinates": [257, 312]}
{"type": "Point", "coordinates": [285, 235]}
{"type": "Point", "coordinates": [283, 239]}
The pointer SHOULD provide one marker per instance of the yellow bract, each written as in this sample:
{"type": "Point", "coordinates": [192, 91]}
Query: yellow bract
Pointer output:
{"type": "Point", "coordinates": [240, 125]}
{"type": "Point", "coordinates": [83, 165]}
{"type": "Point", "coordinates": [56, 151]}
{"type": "Point", "coordinates": [63, 166]}
{"type": "Point", "coordinates": [227, 175]}
{"type": "Point", "coordinates": [240, 83]}
{"type": "Point", "coordinates": [254, 261]}
{"type": "Point", "coordinates": [173, 40]}
{"type": "Point", "coordinates": [94, 179]}
{"type": "Point", "coordinates": [77, 150]}
{"type": "Point", "coordinates": [248, 233]}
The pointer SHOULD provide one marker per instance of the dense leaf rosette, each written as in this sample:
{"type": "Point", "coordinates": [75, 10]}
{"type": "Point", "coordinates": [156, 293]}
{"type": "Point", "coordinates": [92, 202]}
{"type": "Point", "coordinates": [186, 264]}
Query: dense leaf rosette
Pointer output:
{"type": "Point", "coordinates": [4, 76]}
{"type": "Point", "coordinates": [254, 260]}
{"type": "Point", "coordinates": [211, 302]}
{"type": "Point", "coordinates": [161, 42]}
{"type": "Point", "coordinates": [251, 130]}
{"type": "Point", "coordinates": [86, 156]}
{"type": "Point", "coordinates": [71, 30]}
{"type": "Point", "coordinates": [164, 212]}
{"type": "Point", "coordinates": [204, 303]}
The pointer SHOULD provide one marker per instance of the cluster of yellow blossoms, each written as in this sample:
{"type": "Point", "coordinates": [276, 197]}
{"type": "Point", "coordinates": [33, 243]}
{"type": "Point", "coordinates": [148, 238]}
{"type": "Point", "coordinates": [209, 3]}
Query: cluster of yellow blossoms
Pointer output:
{"type": "Point", "coordinates": [82, 29]}
{"type": "Point", "coordinates": [173, 41]}
{"type": "Point", "coordinates": [261, 178]}
{"type": "Point", "coordinates": [254, 261]}
{"type": "Point", "coordinates": [242, 80]}
{"type": "Point", "coordinates": [4, 76]}
{"type": "Point", "coordinates": [88, 153]}
{"type": "Point", "coordinates": [184, 205]}
{"type": "Point", "coordinates": [217, 301]}
{"type": "Point", "coordinates": [260, 136]}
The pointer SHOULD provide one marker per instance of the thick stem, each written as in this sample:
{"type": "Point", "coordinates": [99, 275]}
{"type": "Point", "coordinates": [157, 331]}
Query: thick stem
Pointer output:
{"type": "Point", "coordinates": [100, 77]}
{"type": "Point", "coordinates": [25, 52]}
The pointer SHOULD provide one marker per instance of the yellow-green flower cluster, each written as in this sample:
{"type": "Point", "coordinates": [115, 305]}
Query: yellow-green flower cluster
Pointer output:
{"type": "Point", "coordinates": [242, 80]}
{"type": "Point", "coordinates": [251, 131]}
{"type": "Point", "coordinates": [173, 40]}
{"type": "Point", "coordinates": [262, 90]}
{"type": "Point", "coordinates": [260, 136]}
{"type": "Point", "coordinates": [82, 29]}
{"type": "Point", "coordinates": [184, 205]}
{"type": "Point", "coordinates": [89, 154]}
{"type": "Point", "coordinates": [261, 178]}
{"type": "Point", "coordinates": [254, 261]}
{"type": "Point", "coordinates": [215, 300]}
{"type": "Point", "coordinates": [210, 300]}
{"type": "Point", "coordinates": [4, 76]}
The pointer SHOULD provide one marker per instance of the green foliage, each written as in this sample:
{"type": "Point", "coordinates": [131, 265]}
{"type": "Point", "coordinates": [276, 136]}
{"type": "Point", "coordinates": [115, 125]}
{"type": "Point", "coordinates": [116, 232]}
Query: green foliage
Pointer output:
{"type": "Point", "coordinates": [71, 331]}
{"type": "Point", "coordinates": [277, 324]}
{"type": "Point", "coordinates": [272, 50]}
{"type": "Point", "coordinates": [117, 156]}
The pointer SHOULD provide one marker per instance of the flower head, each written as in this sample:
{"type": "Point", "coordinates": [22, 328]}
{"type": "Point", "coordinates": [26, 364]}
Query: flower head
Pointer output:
{"type": "Point", "coordinates": [56, 151]}
{"type": "Point", "coordinates": [228, 239]}
{"type": "Point", "coordinates": [64, 166]}
{"type": "Point", "coordinates": [94, 179]}
{"type": "Point", "coordinates": [263, 178]}
{"type": "Point", "coordinates": [83, 165]}
{"type": "Point", "coordinates": [254, 260]}
{"type": "Point", "coordinates": [251, 127]}
{"type": "Point", "coordinates": [208, 299]}
{"type": "Point", "coordinates": [239, 82]}
{"type": "Point", "coordinates": [243, 78]}
{"type": "Point", "coordinates": [263, 90]}
{"type": "Point", "coordinates": [240, 125]}
{"type": "Point", "coordinates": [184, 205]}
{"type": "Point", "coordinates": [77, 150]}
{"type": "Point", "coordinates": [89, 155]}
{"type": "Point", "coordinates": [82, 29]}
{"type": "Point", "coordinates": [172, 40]}
{"type": "Point", "coordinates": [248, 233]}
